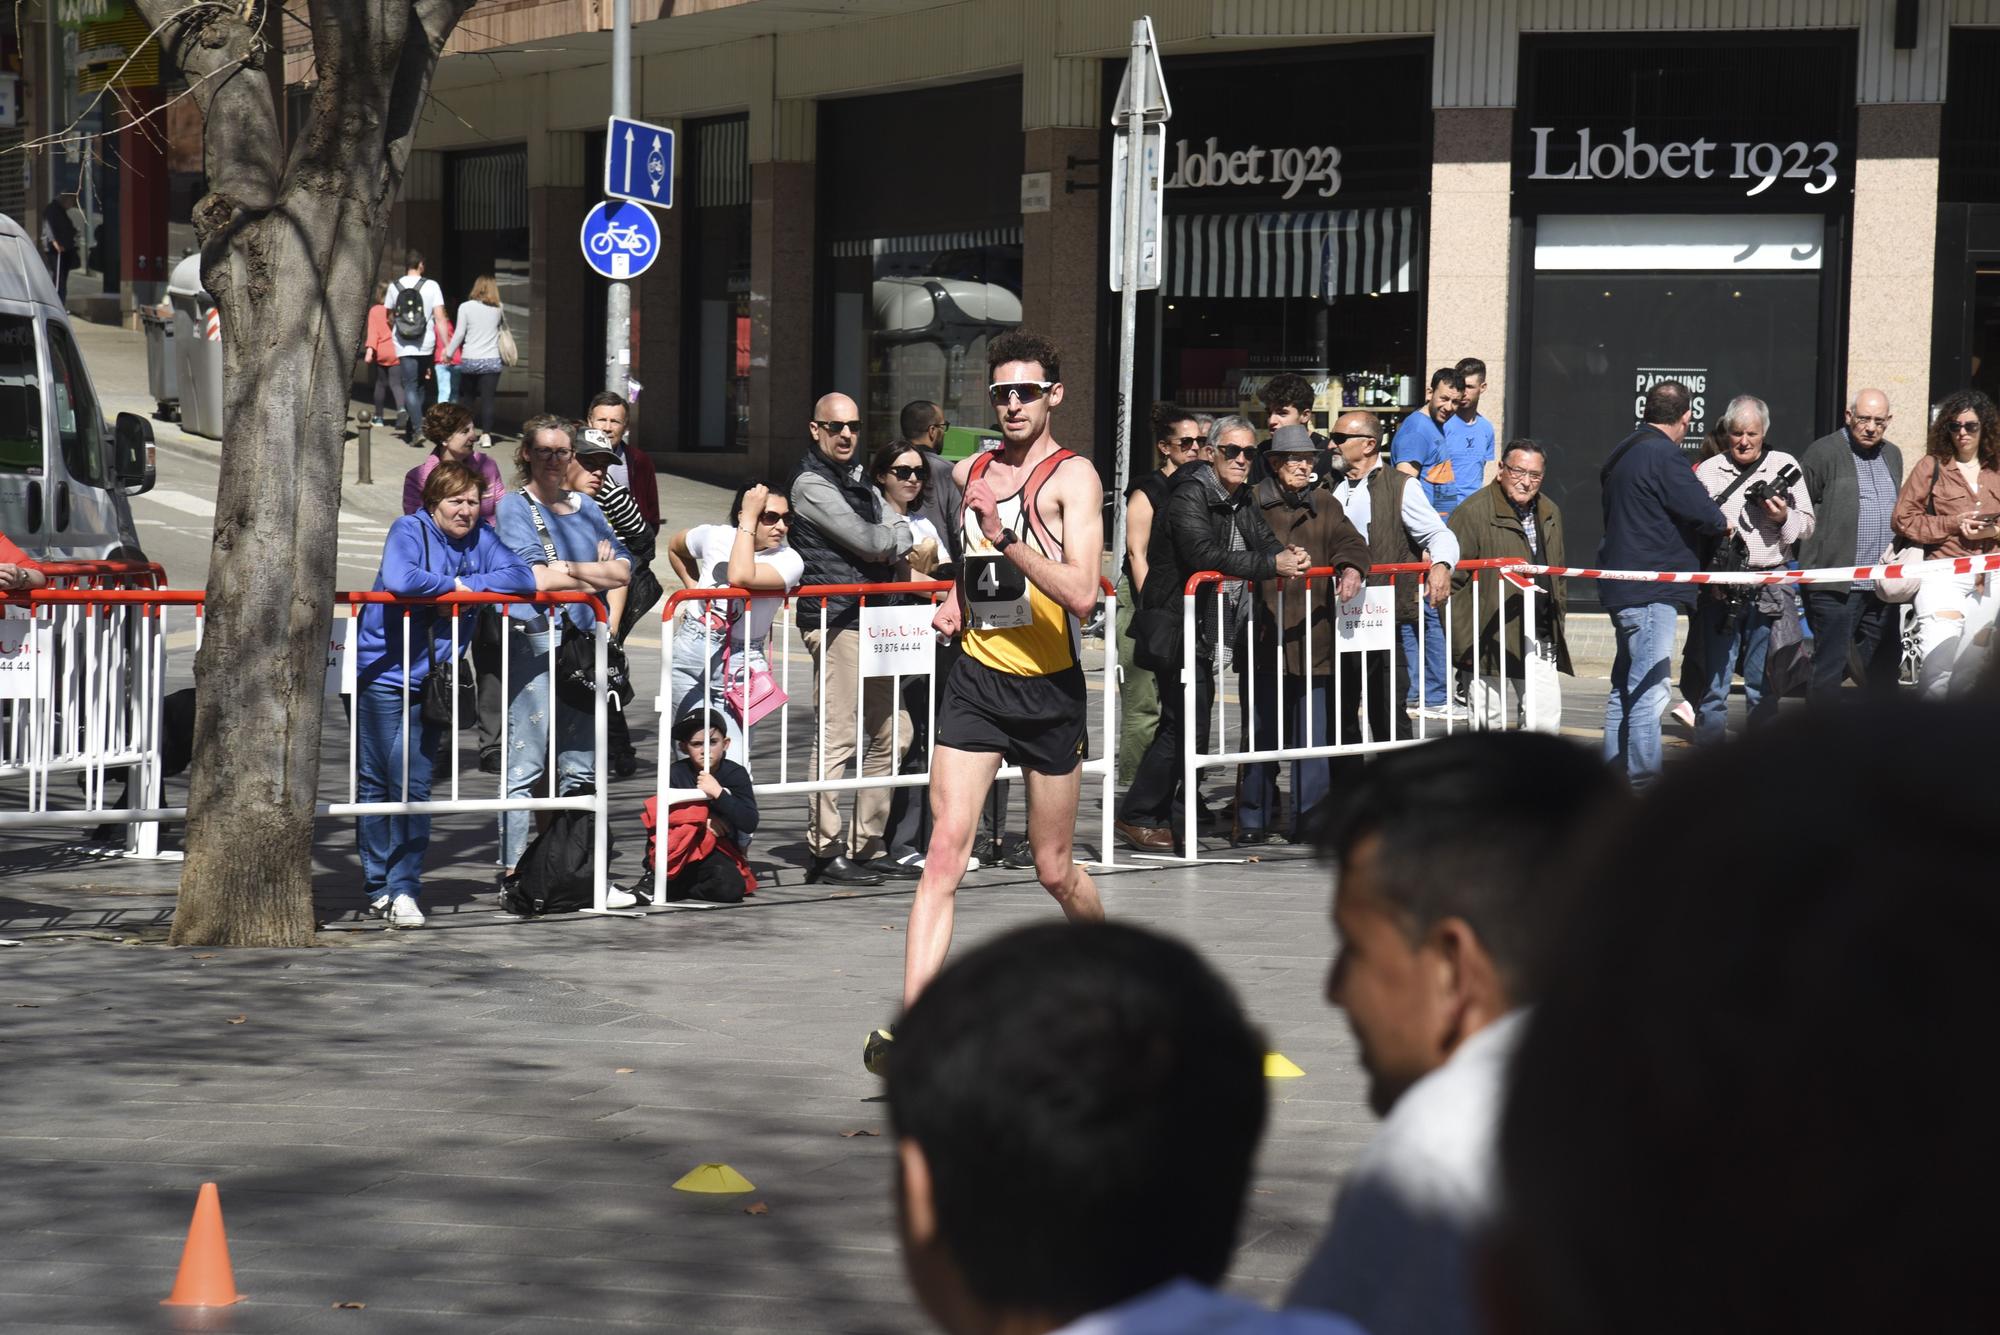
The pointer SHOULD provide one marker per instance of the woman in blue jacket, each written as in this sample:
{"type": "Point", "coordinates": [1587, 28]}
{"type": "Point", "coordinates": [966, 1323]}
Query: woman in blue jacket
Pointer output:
{"type": "Point", "coordinates": [443, 548]}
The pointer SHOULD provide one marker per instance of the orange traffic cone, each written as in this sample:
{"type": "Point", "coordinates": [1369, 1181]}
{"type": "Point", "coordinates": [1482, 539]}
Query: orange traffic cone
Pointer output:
{"type": "Point", "coordinates": [205, 1278]}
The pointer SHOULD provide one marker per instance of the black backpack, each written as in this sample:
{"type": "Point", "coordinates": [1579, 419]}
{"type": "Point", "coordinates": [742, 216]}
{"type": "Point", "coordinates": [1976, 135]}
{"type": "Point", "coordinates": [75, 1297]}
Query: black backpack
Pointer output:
{"type": "Point", "coordinates": [411, 319]}
{"type": "Point", "coordinates": [554, 873]}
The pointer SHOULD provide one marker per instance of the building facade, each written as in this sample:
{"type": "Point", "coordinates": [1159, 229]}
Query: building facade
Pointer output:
{"type": "Point", "coordinates": [1775, 197]}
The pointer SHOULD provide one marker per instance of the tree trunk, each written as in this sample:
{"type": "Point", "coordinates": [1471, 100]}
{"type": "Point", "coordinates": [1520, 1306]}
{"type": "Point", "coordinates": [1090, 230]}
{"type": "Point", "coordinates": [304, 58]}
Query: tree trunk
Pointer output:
{"type": "Point", "coordinates": [290, 253]}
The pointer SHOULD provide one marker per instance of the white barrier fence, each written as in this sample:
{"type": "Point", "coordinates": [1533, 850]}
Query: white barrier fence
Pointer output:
{"type": "Point", "coordinates": [894, 641]}
{"type": "Point", "coordinates": [1311, 686]}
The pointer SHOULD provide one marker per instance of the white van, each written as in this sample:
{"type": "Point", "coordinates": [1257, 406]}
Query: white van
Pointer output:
{"type": "Point", "coordinates": [63, 477]}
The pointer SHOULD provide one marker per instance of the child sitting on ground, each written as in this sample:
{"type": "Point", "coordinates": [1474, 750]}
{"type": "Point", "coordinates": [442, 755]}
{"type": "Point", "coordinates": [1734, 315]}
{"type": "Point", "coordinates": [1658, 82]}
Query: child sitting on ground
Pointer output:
{"type": "Point", "coordinates": [705, 839]}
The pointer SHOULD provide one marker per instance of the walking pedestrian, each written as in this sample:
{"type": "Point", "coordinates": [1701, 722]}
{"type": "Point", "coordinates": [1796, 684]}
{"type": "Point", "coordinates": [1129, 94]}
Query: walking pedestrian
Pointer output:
{"type": "Point", "coordinates": [379, 351]}
{"type": "Point", "coordinates": [476, 344]}
{"type": "Point", "coordinates": [1852, 477]}
{"type": "Point", "coordinates": [416, 306]}
{"type": "Point", "coordinates": [59, 241]}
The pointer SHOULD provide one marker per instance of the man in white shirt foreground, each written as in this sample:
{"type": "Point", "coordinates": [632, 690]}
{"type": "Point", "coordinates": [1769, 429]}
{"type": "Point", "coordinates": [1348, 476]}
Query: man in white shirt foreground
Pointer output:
{"type": "Point", "coordinates": [1077, 1108]}
{"type": "Point", "coordinates": [1445, 905]}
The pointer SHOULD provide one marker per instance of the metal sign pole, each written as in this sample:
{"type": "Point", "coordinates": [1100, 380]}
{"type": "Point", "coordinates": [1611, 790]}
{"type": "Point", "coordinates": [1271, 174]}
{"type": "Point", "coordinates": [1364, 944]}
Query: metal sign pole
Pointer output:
{"type": "Point", "coordinates": [618, 301]}
{"type": "Point", "coordinates": [1134, 130]}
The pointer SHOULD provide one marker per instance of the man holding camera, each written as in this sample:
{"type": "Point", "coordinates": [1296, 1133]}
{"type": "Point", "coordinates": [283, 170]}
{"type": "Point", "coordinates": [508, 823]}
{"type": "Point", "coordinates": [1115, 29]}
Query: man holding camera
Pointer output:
{"type": "Point", "coordinates": [1769, 514]}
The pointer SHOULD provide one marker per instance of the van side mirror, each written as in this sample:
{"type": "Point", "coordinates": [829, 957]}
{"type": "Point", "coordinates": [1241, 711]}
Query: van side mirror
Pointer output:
{"type": "Point", "coordinates": [133, 439]}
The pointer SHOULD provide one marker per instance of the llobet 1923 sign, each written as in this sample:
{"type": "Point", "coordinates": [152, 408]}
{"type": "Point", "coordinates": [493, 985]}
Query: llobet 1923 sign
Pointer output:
{"type": "Point", "coordinates": [1623, 156]}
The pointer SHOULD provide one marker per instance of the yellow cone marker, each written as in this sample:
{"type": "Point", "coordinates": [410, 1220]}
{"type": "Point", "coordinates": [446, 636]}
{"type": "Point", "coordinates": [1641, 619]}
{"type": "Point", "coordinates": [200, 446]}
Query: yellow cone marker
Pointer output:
{"type": "Point", "coordinates": [1277, 1066]}
{"type": "Point", "coordinates": [716, 1179]}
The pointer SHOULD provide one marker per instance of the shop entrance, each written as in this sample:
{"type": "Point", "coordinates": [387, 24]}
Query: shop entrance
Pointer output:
{"type": "Point", "coordinates": [1726, 305]}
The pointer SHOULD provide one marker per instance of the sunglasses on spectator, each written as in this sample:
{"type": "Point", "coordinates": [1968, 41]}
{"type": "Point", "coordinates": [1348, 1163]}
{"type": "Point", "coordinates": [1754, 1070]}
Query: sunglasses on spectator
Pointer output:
{"type": "Point", "coordinates": [1962, 428]}
{"type": "Point", "coordinates": [1342, 437]}
{"type": "Point", "coordinates": [906, 472]}
{"type": "Point", "coordinates": [548, 455]}
{"type": "Point", "coordinates": [775, 517]}
{"type": "Point", "coordinates": [1027, 391]}
{"type": "Point", "coordinates": [1235, 451]}
{"type": "Point", "coordinates": [835, 428]}
{"type": "Point", "coordinates": [1189, 442]}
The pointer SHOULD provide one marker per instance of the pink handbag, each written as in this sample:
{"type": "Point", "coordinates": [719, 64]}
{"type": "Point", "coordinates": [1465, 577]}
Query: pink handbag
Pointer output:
{"type": "Point", "coordinates": [755, 696]}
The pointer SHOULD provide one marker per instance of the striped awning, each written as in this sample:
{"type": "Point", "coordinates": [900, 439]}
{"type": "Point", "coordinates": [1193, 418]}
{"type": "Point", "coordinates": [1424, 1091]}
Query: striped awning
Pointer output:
{"type": "Point", "coordinates": [929, 243]}
{"type": "Point", "coordinates": [1327, 254]}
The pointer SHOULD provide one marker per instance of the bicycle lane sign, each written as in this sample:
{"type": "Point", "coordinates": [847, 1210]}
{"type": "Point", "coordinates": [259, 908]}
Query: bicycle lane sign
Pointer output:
{"type": "Point", "coordinates": [620, 239]}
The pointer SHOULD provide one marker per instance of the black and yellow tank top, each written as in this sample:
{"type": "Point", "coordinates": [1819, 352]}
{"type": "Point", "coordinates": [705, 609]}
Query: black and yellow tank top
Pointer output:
{"type": "Point", "coordinates": [1012, 626]}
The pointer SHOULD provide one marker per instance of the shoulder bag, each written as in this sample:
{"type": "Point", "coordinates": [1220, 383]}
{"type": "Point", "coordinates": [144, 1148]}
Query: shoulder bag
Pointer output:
{"type": "Point", "coordinates": [1903, 588]}
{"type": "Point", "coordinates": [576, 675]}
{"type": "Point", "coordinates": [510, 351]}
{"type": "Point", "coordinates": [439, 687]}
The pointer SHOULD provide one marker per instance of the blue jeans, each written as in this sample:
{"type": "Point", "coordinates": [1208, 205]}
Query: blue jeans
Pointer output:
{"type": "Point", "coordinates": [696, 654]}
{"type": "Point", "coordinates": [413, 396]}
{"type": "Point", "coordinates": [529, 697]}
{"type": "Point", "coordinates": [1436, 691]}
{"type": "Point", "coordinates": [1639, 674]}
{"type": "Point", "coordinates": [1748, 637]}
{"type": "Point", "coordinates": [392, 847]}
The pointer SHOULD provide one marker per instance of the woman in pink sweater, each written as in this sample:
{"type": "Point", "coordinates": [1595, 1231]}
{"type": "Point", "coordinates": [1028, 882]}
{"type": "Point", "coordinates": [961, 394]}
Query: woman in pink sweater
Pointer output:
{"type": "Point", "coordinates": [448, 427]}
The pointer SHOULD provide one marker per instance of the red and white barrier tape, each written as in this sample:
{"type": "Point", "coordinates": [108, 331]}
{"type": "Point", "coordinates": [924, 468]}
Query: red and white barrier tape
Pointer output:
{"type": "Point", "coordinates": [1950, 565]}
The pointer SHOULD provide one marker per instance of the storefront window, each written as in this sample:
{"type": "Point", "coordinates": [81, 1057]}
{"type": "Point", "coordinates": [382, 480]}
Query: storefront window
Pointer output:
{"type": "Point", "coordinates": [1966, 338]}
{"type": "Point", "coordinates": [923, 269]}
{"type": "Point", "coordinates": [717, 284]}
{"type": "Point", "coordinates": [1294, 231]}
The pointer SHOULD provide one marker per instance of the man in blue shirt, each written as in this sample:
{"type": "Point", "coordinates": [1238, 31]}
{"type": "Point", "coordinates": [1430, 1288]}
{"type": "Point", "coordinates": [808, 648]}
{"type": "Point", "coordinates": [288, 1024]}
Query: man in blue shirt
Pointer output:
{"type": "Point", "coordinates": [1419, 449]}
{"type": "Point", "coordinates": [1655, 514]}
{"type": "Point", "coordinates": [1468, 437]}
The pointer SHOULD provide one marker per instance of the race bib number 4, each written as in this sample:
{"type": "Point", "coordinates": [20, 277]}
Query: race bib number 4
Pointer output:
{"type": "Point", "coordinates": [996, 592]}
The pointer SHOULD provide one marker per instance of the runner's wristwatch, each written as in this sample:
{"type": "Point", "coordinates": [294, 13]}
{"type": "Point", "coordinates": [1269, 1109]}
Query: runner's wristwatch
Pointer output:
{"type": "Point", "coordinates": [1005, 540]}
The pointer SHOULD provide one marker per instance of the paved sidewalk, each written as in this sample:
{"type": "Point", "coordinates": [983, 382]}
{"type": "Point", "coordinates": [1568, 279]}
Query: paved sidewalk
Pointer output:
{"type": "Point", "coordinates": [476, 1127]}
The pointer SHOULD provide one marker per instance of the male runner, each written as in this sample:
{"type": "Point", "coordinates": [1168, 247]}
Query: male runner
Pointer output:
{"type": "Point", "coordinates": [1033, 531]}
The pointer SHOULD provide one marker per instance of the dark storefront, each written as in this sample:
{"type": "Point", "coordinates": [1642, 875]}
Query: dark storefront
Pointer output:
{"type": "Point", "coordinates": [1965, 342]}
{"type": "Point", "coordinates": [715, 283]}
{"type": "Point", "coordinates": [923, 266]}
{"type": "Point", "coordinates": [1684, 211]}
{"type": "Point", "coordinates": [1295, 231]}
{"type": "Point", "coordinates": [486, 219]}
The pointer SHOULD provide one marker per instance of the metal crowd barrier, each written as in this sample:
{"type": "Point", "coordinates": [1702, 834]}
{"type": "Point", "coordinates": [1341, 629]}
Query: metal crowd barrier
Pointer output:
{"type": "Point", "coordinates": [1366, 626]}
{"type": "Point", "coordinates": [794, 775]}
{"type": "Point", "coordinates": [92, 666]}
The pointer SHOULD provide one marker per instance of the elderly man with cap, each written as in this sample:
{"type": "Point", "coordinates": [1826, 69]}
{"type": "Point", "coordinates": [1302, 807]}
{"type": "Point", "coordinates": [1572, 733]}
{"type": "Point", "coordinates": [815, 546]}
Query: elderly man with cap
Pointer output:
{"type": "Point", "coordinates": [1298, 617]}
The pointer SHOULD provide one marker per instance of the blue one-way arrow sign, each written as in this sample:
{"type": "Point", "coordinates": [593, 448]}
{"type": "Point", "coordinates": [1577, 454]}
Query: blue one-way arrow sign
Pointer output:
{"type": "Point", "coordinates": [639, 162]}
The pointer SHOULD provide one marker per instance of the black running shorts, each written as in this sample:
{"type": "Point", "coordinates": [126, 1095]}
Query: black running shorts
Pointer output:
{"type": "Point", "coordinates": [1038, 723]}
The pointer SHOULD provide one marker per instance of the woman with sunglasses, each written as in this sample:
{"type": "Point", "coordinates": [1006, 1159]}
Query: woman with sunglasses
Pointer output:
{"type": "Point", "coordinates": [1950, 504]}
{"type": "Point", "coordinates": [710, 652]}
{"type": "Point", "coordinates": [902, 474]}
{"type": "Point", "coordinates": [567, 540]}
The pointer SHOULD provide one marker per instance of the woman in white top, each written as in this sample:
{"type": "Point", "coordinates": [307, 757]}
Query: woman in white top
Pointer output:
{"type": "Point", "coordinates": [478, 334]}
{"type": "Point", "coordinates": [709, 647]}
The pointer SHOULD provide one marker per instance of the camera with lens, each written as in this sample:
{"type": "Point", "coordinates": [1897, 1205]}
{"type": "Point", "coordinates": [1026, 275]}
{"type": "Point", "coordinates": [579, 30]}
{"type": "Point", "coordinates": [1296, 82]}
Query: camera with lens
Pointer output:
{"type": "Point", "coordinates": [1772, 488]}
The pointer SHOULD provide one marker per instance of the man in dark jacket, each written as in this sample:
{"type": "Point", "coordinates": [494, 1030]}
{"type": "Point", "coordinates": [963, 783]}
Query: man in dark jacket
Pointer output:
{"type": "Point", "coordinates": [1852, 476]}
{"type": "Point", "coordinates": [1212, 523]}
{"type": "Point", "coordinates": [838, 528]}
{"type": "Point", "coordinates": [924, 424]}
{"type": "Point", "coordinates": [1655, 515]}
{"type": "Point", "coordinates": [1301, 514]}
{"type": "Point", "coordinates": [1510, 519]}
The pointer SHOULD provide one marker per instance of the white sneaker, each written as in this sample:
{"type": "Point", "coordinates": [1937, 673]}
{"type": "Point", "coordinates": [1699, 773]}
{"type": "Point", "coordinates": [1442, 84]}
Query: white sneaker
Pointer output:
{"type": "Point", "coordinates": [1450, 712]}
{"type": "Point", "coordinates": [403, 912]}
{"type": "Point", "coordinates": [1684, 712]}
{"type": "Point", "coordinates": [617, 897]}
{"type": "Point", "coordinates": [485, 441]}
{"type": "Point", "coordinates": [378, 907]}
